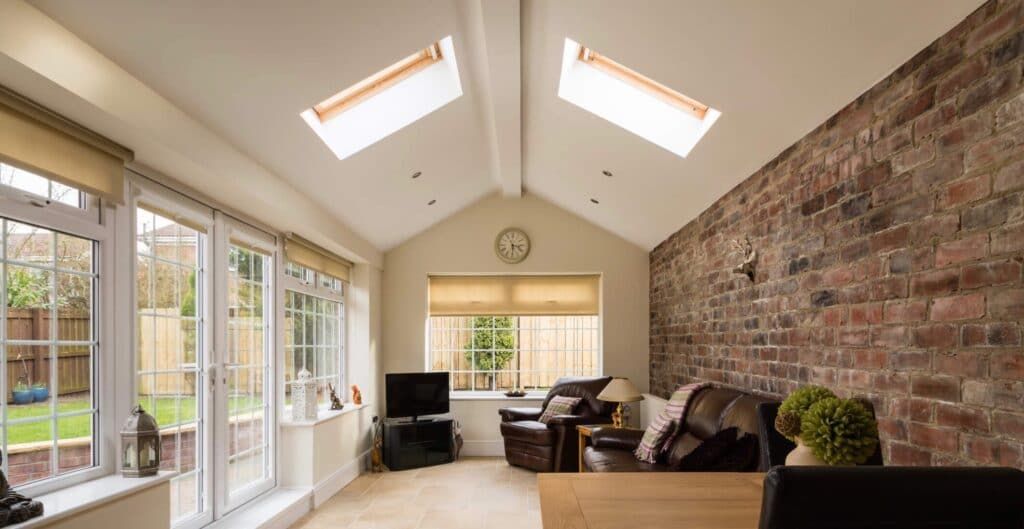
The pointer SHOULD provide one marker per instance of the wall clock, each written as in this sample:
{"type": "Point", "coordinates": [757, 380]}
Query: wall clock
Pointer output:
{"type": "Point", "coordinates": [512, 245]}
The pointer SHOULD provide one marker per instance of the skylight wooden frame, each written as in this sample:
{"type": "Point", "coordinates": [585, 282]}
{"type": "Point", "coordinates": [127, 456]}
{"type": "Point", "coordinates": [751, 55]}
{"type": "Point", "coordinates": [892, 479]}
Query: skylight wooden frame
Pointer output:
{"type": "Point", "coordinates": [656, 89]}
{"type": "Point", "coordinates": [378, 82]}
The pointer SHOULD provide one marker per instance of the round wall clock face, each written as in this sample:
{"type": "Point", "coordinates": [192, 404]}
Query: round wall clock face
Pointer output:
{"type": "Point", "coordinates": [512, 245]}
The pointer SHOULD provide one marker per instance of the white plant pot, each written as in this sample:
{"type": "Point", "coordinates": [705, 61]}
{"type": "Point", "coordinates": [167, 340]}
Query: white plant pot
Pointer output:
{"type": "Point", "coordinates": [802, 455]}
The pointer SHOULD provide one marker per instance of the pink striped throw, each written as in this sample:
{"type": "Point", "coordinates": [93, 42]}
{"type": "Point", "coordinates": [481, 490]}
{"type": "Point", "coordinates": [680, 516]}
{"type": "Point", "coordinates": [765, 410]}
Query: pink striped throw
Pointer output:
{"type": "Point", "coordinates": [663, 429]}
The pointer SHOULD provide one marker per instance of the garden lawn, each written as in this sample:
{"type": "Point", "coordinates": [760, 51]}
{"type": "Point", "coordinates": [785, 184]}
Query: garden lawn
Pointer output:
{"type": "Point", "coordinates": [164, 409]}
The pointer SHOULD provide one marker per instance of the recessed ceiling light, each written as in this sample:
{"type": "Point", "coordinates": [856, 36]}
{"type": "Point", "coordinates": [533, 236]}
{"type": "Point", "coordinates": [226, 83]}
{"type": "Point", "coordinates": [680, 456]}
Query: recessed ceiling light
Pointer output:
{"type": "Point", "coordinates": [637, 103]}
{"type": "Point", "coordinates": [388, 100]}
{"type": "Point", "coordinates": [606, 172]}
{"type": "Point", "coordinates": [416, 174]}
{"type": "Point", "coordinates": [594, 200]}
{"type": "Point", "coordinates": [431, 203]}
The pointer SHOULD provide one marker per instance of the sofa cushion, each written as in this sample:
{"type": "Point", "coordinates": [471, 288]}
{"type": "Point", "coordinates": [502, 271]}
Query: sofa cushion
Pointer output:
{"type": "Point", "coordinates": [613, 460]}
{"type": "Point", "coordinates": [665, 427]}
{"type": "Point", "coordinates": [683, 445]}
{"type": "Point", "coordinates": [533, 432]}
{"type": "Point", "coordinates": [559, 406]}
{"type": "Point", "coordinates": [709, 452]}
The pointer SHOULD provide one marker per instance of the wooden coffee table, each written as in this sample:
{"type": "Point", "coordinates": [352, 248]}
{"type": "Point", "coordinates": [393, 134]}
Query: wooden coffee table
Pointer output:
{"type": "Point", "coordinates": [651, 500]}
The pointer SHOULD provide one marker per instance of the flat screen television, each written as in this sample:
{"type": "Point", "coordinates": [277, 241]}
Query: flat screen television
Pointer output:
{"type": "Point", "coordinates": [416, 394]}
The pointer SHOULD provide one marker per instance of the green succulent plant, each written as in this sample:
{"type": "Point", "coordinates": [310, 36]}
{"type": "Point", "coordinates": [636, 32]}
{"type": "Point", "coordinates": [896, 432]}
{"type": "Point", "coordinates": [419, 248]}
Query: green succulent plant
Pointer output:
{"type": "Point", "coordinates": [839, 431]}
{"type": "Point", "coordinates": [797, 404]}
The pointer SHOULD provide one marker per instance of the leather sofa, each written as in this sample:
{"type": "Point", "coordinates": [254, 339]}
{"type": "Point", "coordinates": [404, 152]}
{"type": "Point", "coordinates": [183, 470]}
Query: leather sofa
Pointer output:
{"type": "Point", "coordinates": [553, 447]}
{"type": "Point", "coordinates": [711, 410]}
{"type": "Point", "coordinates": [874, 497]}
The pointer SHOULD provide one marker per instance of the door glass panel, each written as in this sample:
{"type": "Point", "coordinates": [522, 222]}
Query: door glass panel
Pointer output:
{"type": "Point", "coordinates": [169, 349]}
{"type": "Point", "coordinates": [247, 361]}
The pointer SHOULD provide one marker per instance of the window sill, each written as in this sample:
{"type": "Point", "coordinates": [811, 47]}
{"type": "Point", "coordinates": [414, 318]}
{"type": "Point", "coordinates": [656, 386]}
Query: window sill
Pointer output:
{"type": "Point", "coordinates": [324, 416]}
{"type": "Point", "coordinates": [84, 496]}
{"type": "Point", "coordinates": [498, 396]}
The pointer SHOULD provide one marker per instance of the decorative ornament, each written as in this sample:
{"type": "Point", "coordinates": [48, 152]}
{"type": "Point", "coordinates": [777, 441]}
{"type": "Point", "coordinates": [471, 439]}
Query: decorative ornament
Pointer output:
{"type": "Point", "coordinates": [376, 453]}
{"type": "Point", "coordinates": [749, 265]}
{"type": "Point", "coordinates": [357, 396]}
{"type": "Point", "coordinates": [304, 397]}
{"type": "Point", "coordinates": [335, 401]}
{"type": "Point", "coordinates": [140, 445]}
{"type": "Point", "coordinates": [840, 431]}
{"type": "Point", "coordinates": [788, 424]}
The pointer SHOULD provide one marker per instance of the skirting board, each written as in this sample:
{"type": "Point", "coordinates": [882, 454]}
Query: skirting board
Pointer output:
{"type": "Point", "coordinates": [488, 448]}
{"type": "Point", "coordinates": [337, 481]}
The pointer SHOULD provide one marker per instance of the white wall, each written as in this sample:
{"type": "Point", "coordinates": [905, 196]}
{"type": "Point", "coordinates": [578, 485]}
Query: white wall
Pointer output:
{"type": "Point", "coordinates": [561, 243]}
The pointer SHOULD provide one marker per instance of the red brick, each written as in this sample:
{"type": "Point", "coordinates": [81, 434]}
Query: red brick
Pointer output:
{"type": "Point", "coordinates": [964, 191]}
{"type": "Point", "coordinates": [935, 387]}
{"type": "Point", "coordinates": [890, 239]}
{"type": "Point", "coordinates": [1007, 304]}
{"type": "Point", "coordinates": [837, 276]}
{"type": "Point", "coordinates": [890, 336]}
{"type": "Point", "coordinates": [905, 455]}
{"type": "Point", "coordinates": [969, 307]}
{"type": "Point", "coordinates": [935, 336]}
{"type": "Point", "coordinates": [961, 77]}
{"type": "Point", "coordinates": [1009, 177]}
{"type": "Point", "coordinates": [935, 283]}
{"type": "Point", "coordinates": [853, 337]}
{"type": "Point", "coordinates": [967, 249]}
{"type": "Point", "coordinates": [991, 451]}
{"type": "Point", "coordinates": [935, 438]}
{"type": "Point", "coordinates": [962, 418]}
{"type": "Point", "coordinates": [904, 311]}
{"type": "Point", "coordinates": [992, 30]}
{"type": "Point", "coordinates": [861, 315]}
{"type": "Point", "coordinates": [1008, 365]}
{"type": "Point", "coordinates": [961, 363]}
{"type": "Point", "coordinates": [1007, 240]}
{"type": "Point", "coordinates": [889, 288]}
{"type": "Point", "coordinates": [1006, 423]}
{"type": "Point", "coordinates": [987, 274]}
{"type": "Point", "coordinates": [912, 360]}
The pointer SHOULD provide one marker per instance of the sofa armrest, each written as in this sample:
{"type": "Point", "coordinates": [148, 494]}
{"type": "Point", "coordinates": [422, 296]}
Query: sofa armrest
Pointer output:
{"type": "Point", "coordinates": [569, 420]}
{"type": "Point", "coordinates": [519, 414]}
{"type": "Point", "coordinates": [619, 438]}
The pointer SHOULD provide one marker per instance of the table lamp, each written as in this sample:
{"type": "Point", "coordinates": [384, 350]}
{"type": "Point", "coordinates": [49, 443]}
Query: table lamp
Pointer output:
{"type": "Point", "coordinates": [619, 390]}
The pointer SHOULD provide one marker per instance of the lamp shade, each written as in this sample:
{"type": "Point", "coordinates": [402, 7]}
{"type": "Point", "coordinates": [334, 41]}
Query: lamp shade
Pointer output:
{"type": "Point", "coordinates": [620, 390]}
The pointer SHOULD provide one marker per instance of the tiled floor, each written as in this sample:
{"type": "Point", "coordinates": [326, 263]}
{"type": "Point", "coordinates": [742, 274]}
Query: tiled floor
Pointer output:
{"type": "Point", "coordinates": [474, 492]}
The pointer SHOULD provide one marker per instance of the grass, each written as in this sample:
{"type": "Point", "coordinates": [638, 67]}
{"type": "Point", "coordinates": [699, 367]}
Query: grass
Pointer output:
{"type": "Point", "coordinates": [164, 409]}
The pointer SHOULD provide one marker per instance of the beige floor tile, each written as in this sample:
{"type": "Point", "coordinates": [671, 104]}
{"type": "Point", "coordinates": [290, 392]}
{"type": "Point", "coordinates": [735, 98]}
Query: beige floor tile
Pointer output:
{"type": "Point", "coordinates": [473, 492]}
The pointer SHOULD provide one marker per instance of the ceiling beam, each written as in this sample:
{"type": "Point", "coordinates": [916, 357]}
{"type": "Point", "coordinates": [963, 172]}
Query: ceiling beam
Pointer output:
{"type": "Point", "coordinates": [495, 26]}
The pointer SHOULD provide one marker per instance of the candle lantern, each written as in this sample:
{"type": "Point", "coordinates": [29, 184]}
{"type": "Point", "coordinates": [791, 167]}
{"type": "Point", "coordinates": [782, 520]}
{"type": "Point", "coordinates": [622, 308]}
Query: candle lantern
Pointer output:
{"type": "Point", "coordinates": [140, 445]}
{"type": "Point", "coordinates": [304, 406]}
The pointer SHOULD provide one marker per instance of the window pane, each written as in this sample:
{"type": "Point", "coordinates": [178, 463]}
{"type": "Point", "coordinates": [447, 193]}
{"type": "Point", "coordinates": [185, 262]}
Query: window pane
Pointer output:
{"type": "Point", "coordinates": [314, 338]}
{"type": "Point", "coordinates": [487, 353]}
{"type": "Point", "coordinates": [30, 183]}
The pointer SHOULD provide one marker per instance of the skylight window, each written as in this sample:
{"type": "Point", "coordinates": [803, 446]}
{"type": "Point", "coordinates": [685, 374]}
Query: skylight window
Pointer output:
{"type": "Point", "coordinates": [388, 100]}
{"type": "Point", "coordinates": [632, 101]}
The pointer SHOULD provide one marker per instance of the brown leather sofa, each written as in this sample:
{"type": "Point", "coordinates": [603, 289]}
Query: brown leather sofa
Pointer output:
{"type": "Point", "coordinates": [711, 410]}
{"type": "Point", "coordinates": [553, 447]}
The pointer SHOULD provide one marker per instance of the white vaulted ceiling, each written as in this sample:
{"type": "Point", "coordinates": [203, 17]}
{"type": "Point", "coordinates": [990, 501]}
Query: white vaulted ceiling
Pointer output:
{"type": "Point", "coordinates": [245, 70]}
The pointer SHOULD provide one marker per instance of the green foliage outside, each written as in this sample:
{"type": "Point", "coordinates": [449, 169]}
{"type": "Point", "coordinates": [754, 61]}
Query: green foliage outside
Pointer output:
{"type": "Point", "coordinates": [839, 431]}
{"type": "Point", "coordinates": [26, 290]}
{"type": "Point", "coordinates": [499, 337]}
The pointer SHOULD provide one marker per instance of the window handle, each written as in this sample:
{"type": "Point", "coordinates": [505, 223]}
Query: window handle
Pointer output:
{"type": "Point", "coordinates": [37, 202]}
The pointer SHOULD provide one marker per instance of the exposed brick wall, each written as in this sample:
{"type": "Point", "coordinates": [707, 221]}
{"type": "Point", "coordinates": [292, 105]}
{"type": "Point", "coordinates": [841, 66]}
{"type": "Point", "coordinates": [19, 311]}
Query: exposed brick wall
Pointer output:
{"type": "Point", "coordinates": [891, 241]}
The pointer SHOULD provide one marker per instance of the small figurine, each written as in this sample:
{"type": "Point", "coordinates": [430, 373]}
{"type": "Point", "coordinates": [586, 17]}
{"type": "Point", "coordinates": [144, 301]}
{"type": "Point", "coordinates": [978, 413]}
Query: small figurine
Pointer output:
{"type": "Point", "coordinates": [335, 401]}
{"type": "Point", "coordinates": [376, 459]}
{"type": "Point", "coordinates": [15, 508]}
{"type": "Point", "coordinates": [357, 396]}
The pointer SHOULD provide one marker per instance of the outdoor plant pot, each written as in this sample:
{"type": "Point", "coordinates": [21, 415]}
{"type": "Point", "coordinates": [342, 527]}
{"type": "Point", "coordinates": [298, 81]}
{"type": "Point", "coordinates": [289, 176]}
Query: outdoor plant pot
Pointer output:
{"type": "Point", "coordinates": [41, 393]}
{"type": "Point", "coordinates": [22, 396]}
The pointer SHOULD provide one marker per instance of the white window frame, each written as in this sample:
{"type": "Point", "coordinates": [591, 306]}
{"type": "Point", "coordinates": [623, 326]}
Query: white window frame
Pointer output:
{"type": "Point", "coordinates": [313, 287]}
{"type": "Point", "coordinates": [97, 224]}
{"type": "Point", "coordinates": [88, 212]}
{"type": "Point", "coordinates": [487, 393]}
{"type": "Point", "coordinates": [144, 192]}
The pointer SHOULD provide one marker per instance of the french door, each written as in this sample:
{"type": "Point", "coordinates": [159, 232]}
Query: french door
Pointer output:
{"type": "Point", "coordinates": [204, 298]}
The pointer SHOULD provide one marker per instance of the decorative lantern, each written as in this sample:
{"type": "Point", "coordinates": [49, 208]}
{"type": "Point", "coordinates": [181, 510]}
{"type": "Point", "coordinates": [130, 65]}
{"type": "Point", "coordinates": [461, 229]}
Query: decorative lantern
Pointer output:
{"type": "Point", "coordinates": [304, 397]}
{"type": "Point", "coordinates": [140, 445]}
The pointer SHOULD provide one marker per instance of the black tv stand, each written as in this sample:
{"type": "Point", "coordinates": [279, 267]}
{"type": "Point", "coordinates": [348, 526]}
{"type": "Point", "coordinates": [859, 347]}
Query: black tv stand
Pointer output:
{"type": "Point", "coordinates": [420, 443]}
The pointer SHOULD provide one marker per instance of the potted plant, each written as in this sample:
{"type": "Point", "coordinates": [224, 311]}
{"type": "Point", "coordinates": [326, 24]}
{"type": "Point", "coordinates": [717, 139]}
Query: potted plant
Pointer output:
{"type": "Point", "coordinates": [827, 430]}
{"type": "Point", "coordinates": [40, 392]}
{"type": "Point", "coordinates": [22, 393]}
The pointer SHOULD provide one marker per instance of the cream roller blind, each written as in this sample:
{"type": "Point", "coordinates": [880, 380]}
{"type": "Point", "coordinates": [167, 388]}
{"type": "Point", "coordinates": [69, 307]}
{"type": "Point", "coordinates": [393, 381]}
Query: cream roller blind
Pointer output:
{"type": "Point", "coordinates": [305, 253]}
{"type": "Point", "coordinates": [515, 295]}
{"type": "Point", "coordinates": [42, 142]}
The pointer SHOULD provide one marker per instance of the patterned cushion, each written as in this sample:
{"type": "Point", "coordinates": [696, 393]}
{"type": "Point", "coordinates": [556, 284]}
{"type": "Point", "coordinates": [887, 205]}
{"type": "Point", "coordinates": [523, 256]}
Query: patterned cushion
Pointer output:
{"type": "Point", "coordinates": [559, 406]}
{"type": "Point", "coordinates": [662, 430]}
